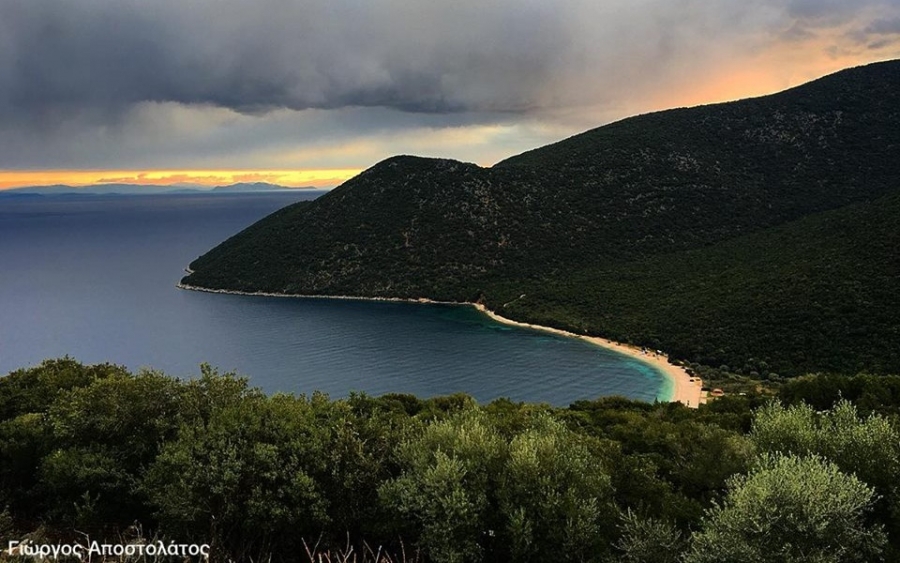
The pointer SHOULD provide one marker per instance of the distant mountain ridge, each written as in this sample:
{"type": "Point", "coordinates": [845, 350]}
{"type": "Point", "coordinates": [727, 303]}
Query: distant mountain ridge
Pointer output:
{"type": "Point", "coordinates": [145, 189]}
{"type": "Point", "coordinates": [618, 205]}
{"type": "Point", "coordinates": [254, 187]}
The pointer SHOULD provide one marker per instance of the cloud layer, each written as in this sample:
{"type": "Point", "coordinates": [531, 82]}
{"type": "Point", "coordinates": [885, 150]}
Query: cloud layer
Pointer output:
{"type": "Point", "coordinates": [116, 70]}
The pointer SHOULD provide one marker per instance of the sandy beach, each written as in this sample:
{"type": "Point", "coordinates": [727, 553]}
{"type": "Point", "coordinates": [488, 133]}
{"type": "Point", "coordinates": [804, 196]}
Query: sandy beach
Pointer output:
{"type": "Point", "coordinates": [685, 389]}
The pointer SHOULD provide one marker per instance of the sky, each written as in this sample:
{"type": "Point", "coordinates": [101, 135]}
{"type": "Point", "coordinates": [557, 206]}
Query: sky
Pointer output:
{"type": "Point", "coordinates": [308, 92]}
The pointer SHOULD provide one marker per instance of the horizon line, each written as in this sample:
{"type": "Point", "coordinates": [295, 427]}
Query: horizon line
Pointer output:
{"type": "Point", "coordinates": [84, 178]}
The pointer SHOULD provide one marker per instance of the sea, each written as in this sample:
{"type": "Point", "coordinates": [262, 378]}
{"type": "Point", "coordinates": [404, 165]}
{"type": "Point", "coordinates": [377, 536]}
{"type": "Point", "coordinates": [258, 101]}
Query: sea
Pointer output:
{"type": "Point", "coordinates": [94, 278]}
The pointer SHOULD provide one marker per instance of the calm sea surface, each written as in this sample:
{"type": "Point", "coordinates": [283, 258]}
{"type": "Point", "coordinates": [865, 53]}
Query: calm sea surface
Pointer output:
{"type": "Point", "coordinates": [94, 278]}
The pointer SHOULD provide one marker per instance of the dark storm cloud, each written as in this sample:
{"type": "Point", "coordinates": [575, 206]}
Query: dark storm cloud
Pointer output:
{"type": "Point", "coordinates": [64, 56]}
{"type": "Point", "coordinates": [254, 56]}
{"type": "Point", "coordinates": [100, 82]}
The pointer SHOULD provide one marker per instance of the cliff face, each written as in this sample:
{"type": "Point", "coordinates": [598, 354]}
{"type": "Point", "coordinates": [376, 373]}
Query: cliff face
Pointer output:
{"type": "Point", "coordinates": [616, 206]}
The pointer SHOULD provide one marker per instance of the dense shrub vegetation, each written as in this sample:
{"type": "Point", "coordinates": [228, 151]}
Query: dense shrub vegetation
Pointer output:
{"type": "Point", "coordinates": [95, 451]}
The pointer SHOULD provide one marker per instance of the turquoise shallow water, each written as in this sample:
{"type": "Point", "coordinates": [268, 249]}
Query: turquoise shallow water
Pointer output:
{"type": "Point", "coordinates": [94, 278]}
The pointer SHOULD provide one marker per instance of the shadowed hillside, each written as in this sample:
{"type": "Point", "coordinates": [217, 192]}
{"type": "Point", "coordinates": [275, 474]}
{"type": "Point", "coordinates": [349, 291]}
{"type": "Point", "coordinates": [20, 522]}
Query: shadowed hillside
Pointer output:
{"type": "Point", "coordinates": [658, 229]}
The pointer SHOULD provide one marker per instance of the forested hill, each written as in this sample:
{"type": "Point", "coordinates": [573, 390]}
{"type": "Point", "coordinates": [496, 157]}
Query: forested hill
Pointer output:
{"type": "Point", "coordinates": [593, 230]}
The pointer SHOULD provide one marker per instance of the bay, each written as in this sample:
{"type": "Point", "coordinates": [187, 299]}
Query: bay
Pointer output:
{"type": "Point", "coordinates": [93, 277]}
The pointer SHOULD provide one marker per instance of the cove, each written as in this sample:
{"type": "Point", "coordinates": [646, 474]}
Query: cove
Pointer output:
{"type": "Point", "coordinates": [94, 278]}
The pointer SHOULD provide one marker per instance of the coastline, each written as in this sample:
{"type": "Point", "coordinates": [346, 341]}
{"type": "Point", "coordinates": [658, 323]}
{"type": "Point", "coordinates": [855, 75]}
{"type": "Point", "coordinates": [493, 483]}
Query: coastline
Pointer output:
{"type": "Point", "coordinates": [685, 389]}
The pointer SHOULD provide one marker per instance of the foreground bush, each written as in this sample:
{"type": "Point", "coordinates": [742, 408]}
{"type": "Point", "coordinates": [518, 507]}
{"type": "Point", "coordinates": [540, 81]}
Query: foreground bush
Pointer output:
{"type": "Point", "coordinates": [95, 451]}
{"type": "Point", "coordinates": [791, 509]}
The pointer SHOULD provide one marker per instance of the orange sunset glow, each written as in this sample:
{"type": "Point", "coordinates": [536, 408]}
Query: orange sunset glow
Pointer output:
{"type": "Point", "coordinates": [770, 70]}
{"type": "Point", "coordinates": [288, 178]}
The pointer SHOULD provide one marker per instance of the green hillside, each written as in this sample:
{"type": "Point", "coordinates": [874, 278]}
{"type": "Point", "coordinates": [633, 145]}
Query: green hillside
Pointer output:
{"type": "Point", "coordinates": [820, 293]}
{"type": "Point", "coordinates": [758, 234]}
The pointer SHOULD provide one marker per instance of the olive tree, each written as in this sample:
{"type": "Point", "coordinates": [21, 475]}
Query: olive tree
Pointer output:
{"type": "Point", "coordinates": [445, 487]}
{"type": "Point", "coordinates": [868, 447]}
{"type": "Point", "coordinates": [790, 509]}
{"type": "Point", "coordinates": [556, 496]}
